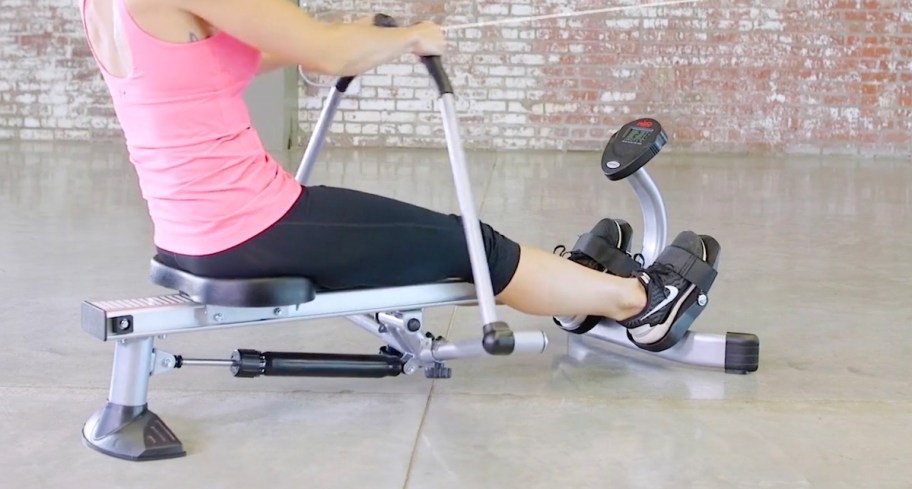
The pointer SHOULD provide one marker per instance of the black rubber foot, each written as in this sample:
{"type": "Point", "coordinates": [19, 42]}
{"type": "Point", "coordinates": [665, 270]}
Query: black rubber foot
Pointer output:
{"type": "Point", "coordinates": [131, 433]}
{"type": "Point", "coordinates": [742, 353]}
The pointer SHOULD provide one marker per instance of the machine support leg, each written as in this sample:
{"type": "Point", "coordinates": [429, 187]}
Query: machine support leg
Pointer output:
{"type": "Point", "coordinates": [125, 427]}
{"type": "Point", "coordinates": [131, 371]}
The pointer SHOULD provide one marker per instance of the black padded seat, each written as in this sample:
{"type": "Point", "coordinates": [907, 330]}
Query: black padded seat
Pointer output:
{"type": "Point", "coordinates": [254, 292]}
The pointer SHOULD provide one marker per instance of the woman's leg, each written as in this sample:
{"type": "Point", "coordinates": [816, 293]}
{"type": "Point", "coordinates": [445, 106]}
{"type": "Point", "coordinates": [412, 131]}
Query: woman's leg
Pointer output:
{"type": "Point", "coordinates": [346, 239]}
{"type": "Point", "coordinates": [343, 239]}
{"type": "Point", "coordinates": [548, 285]}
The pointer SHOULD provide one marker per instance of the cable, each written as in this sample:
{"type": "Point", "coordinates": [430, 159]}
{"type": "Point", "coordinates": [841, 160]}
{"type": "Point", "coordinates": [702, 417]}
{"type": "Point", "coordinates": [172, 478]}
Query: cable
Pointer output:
{"type": "Point", "coordinates": [518, 20]}
{"type": "Point", "coordinates": [312, 83]}
{"type": "Point", "coordinates": [535, 18]}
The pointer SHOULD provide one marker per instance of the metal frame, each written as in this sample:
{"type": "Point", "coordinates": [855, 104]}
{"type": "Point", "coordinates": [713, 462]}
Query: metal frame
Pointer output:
{"type": "Point", "coordinates": [125, 428]}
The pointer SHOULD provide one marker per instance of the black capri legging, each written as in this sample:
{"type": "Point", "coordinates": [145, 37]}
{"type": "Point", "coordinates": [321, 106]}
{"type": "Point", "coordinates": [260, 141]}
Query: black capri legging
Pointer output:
{"type": "Point", "coordinates": [344, 239]}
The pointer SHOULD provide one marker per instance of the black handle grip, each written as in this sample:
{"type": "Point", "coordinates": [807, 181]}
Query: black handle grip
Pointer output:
{"type": "Point", "coordinates": [380, 20]}
{"type": "Point", "coordinates": [434, 65]}
{"type": "Point", "coordinates": [343, 83]}
{"type": "Point", "coordinates": [383, 20]}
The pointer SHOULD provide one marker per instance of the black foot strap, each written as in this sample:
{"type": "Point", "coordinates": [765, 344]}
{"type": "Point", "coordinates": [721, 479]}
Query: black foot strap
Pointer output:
{"type": "Point", "coordinates": [695, 270]}
{"type": "Point", "coordinates": [613, 260]}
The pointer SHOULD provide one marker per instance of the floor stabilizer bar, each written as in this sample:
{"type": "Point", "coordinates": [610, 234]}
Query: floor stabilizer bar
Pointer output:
{"type": "Point", "coordinates": [732, 352]}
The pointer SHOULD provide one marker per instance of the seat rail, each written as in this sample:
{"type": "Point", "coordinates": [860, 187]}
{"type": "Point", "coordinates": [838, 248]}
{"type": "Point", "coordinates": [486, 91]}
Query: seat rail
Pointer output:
{"type": "Point", "coordinates": [170, 314]}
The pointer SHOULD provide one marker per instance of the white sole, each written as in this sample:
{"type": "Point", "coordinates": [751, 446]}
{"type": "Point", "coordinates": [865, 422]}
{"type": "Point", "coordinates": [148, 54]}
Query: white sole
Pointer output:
{"type": "Point", "coordinates": [650, 334]}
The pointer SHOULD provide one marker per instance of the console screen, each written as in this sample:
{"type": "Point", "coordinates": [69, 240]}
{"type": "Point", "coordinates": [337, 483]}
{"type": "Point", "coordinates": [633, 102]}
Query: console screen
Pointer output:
{"type": "Point", "coordinates": [636, 135]}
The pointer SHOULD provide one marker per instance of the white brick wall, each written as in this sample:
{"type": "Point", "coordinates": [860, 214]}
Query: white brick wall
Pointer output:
{"type": "Point", "coordinates": [815, 76]}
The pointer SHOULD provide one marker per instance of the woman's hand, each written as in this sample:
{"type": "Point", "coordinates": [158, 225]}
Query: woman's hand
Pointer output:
{"type": "Point", "coordinates": [429, 39]}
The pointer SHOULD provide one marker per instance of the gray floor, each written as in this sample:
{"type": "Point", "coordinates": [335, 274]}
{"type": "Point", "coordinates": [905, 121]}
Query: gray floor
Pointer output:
{"type": "Point", "coordinates": [815, 261]}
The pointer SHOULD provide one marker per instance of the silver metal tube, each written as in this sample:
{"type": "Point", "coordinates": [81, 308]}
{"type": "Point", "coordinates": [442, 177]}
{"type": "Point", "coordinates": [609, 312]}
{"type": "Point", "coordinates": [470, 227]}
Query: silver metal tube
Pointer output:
{"type": "Point", "coordinates": [388, 318]}
{"type": "Point", "coordinates": [131, 372]}
{"type": "Point", "coordinates": [701, 349]}
{"type": "Point", "coordinates": [367, 323]}
{"type": "Point", "coordinates": [526, 342]}
{"type": "Point", "coordinates": [318, 137]}
{"type": "Point", "coordinates": [655, 218]}
{"type": "Point", "coordinates": [477, 255]}
{"type": "Point", "coordinates": [205, 362]}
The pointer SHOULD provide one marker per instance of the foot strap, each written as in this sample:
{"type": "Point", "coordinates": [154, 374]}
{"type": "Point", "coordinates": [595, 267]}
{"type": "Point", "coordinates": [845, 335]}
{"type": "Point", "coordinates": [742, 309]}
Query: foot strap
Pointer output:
{"type": "Point", "coordinates": [615, 261]}
{"type": "Point", "coordinates": [695, 270]}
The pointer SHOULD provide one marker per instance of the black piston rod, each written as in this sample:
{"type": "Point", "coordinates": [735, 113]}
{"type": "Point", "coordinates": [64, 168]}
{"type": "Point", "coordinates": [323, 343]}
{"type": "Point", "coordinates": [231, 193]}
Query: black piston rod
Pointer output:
{"type": "Point", "coordinates": [252, 363]}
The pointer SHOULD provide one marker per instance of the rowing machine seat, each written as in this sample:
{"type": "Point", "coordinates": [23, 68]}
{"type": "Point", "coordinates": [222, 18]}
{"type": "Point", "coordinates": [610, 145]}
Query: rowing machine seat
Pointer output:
{"type": "Point", "coordinates": [252, 292]}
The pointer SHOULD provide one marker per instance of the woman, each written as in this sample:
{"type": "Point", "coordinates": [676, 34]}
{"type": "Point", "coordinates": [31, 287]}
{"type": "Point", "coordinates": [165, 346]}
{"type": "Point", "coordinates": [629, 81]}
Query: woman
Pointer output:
{"type": "Point", "coordinates": [222, 207]}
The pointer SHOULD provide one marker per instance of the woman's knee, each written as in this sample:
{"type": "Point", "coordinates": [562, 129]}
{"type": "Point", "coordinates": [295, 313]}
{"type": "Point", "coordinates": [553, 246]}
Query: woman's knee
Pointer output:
{"type": "Point", "coordinates": [502, 255]}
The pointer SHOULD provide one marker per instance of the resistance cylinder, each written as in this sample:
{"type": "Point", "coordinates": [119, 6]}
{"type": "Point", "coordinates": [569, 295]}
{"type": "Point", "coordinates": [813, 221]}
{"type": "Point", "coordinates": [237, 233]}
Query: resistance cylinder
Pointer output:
{"type": "Point", "coordinates": [252, 363]}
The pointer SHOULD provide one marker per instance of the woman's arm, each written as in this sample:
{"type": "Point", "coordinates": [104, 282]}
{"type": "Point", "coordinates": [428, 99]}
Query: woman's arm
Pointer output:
{"type": "Point", "coordinates": [290, 35]}
{"type": "Point", "coordinates": [270, 62]}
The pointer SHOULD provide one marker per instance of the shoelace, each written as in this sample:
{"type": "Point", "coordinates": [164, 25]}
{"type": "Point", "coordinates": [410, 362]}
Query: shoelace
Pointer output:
{"type": "Point", "coordinates": [638, 257]}
{"type": "Point", "coordinates": [659, 270]}
{"type": "Point", "coordinates": [574, 255]}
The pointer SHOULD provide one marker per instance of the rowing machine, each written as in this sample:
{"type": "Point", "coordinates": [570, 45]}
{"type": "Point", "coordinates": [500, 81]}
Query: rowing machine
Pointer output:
{"type": "Point", "coordinates": [125, 427]}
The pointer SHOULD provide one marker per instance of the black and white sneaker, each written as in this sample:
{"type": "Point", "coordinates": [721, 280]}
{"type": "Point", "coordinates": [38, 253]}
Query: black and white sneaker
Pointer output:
{"type": "Point", "coordinates": [606, 249]}
{"type": "Point", "coordinates": [676, 287]}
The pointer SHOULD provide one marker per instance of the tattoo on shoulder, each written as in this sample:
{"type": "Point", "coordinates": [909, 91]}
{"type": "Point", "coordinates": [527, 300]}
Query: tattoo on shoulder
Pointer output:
{"type": "Point", "coordinates": [194, 37]}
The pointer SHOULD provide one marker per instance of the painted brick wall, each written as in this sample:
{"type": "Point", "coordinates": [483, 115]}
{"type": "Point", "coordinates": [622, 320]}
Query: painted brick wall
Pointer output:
{"type": "Point", "coordinates": [782, 76]}
{"type": "Point", "coordinates": [49, 87]}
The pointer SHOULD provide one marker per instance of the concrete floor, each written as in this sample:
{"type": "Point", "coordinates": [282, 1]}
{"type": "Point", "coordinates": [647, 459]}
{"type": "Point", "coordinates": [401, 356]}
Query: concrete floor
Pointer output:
{"type": "Point", "coordinates": [815, 262]}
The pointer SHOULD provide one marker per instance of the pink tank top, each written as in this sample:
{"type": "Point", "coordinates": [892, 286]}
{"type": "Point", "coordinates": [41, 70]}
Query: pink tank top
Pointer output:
{"type": "Point", "coordinates": [202, 168]}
